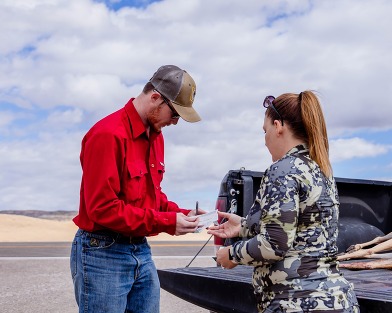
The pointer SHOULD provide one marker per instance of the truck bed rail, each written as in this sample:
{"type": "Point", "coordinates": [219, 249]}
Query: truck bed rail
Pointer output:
{"type": "Point", "coordinates": [223, 291]}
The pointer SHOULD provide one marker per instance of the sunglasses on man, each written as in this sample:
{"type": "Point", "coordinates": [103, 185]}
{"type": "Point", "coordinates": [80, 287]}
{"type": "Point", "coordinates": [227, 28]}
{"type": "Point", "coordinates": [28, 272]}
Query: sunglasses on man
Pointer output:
{"type": "Point", "coordinates": [175, 115]}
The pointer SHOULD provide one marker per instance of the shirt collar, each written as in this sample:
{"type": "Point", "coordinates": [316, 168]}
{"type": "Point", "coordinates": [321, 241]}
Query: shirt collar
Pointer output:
{"type": "Point", "coordinates": [136, 124]}
{"type": "Point", "coordinates": [301, 148]}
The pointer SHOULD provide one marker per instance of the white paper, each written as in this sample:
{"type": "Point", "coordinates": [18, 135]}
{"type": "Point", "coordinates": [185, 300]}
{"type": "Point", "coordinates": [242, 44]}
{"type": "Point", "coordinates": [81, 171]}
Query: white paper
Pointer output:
{"type": "Point", "coordinates": [206, 220]}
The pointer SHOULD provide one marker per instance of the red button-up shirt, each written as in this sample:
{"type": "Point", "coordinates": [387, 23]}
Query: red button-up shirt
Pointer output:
{"type": "Point", "coordinates": [122, 172]}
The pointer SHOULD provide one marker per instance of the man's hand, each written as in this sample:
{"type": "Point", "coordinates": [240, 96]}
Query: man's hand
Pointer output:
{"type": "Point", "coordinates": [186, 224]}
{"type": "Point", "coordinates": [199, 211]}
{"type": "Point", "coordinates": [229, 229]}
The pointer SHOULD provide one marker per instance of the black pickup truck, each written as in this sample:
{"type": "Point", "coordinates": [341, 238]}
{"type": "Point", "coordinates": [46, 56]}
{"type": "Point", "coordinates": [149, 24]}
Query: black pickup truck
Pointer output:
{"type": "Point", "coordinates": [365, 213]}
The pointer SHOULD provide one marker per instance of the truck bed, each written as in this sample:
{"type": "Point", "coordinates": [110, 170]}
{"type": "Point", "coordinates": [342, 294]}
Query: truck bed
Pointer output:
{"type": "Point", "coordinates": [365, 213]}
{"type": "Point", "coordinates": [208, 287]}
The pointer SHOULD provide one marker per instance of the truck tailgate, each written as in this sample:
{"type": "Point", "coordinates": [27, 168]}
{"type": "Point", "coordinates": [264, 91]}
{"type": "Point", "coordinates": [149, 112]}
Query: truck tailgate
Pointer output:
{"type": "Point", "coordinates": [222, 290]}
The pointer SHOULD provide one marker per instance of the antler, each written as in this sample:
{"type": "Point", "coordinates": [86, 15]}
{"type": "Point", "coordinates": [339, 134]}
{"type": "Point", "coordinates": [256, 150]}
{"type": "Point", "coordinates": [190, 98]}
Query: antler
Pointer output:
{"type": "Point", "coordinates": [355, 252]}
{"type": "Point", "coordinates": [376, 240]}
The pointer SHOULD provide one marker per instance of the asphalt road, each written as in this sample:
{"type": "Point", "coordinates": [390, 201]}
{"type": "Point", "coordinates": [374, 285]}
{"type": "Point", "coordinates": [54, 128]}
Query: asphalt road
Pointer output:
{"type": "Point", "coordinates": [62, 249]}
{"type": "Point", "coordinates": [35, 277]}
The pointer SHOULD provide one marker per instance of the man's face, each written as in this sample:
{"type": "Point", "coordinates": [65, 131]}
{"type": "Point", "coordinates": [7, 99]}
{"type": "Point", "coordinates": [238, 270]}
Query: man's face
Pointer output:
{"type": "Point", "coordinates": [161, 116]}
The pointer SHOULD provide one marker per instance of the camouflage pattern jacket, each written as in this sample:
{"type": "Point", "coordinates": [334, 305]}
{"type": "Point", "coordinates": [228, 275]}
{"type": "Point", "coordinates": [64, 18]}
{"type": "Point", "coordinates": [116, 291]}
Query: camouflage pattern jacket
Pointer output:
{"type": "Point", "coordinates": [291, 233]}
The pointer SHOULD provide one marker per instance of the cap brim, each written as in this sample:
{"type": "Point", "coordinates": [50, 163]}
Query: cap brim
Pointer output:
{"type": "Point", "coordinates": [187, 113]}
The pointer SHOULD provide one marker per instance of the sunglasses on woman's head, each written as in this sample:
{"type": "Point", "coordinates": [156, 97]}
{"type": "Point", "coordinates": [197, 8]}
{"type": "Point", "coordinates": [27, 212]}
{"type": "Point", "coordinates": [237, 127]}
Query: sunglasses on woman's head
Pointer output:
{"type": "Point", "coordinates": [268, 104]}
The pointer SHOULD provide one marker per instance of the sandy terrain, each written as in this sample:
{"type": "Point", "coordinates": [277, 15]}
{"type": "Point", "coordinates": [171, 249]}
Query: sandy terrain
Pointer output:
{"type": "Point", "coordinates": [18, 228]}
{"type": "Point", "coordinates": [47, 281]}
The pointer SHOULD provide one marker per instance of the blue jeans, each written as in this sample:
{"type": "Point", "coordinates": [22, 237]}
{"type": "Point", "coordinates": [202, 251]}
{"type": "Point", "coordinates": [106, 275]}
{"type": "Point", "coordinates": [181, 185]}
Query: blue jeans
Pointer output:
{"type": "Point", "coordinates": [113, 277]}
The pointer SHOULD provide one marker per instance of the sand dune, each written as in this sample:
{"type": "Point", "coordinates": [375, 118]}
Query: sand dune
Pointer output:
{"type": "Point", "coordinates": [18, 228]}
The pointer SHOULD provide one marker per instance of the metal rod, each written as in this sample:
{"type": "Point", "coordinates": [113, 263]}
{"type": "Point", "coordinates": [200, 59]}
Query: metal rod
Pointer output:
{"type": "Point", "coordinates": [199, 251]}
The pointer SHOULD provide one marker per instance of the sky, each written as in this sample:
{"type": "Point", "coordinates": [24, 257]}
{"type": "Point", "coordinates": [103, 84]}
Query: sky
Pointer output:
{"type": "Point", "coordinates": [65, 64]}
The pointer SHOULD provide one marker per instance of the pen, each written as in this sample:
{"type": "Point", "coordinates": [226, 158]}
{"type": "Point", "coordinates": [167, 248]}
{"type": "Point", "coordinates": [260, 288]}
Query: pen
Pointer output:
{"type": "Point", "coordinates": [197, 207]}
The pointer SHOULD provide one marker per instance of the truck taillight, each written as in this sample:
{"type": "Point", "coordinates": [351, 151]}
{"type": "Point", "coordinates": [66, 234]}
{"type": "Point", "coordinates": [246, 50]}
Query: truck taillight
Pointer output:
{"type": "Point", "coordinates": [220, 205]}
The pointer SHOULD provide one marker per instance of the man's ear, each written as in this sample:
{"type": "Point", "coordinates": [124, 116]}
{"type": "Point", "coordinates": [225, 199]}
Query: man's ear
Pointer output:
{"type": "Point", "coordinates": [154, 96]}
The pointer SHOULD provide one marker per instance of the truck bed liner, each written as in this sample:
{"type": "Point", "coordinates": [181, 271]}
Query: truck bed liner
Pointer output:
{"type": "Point", "coordinates": [208, 287]}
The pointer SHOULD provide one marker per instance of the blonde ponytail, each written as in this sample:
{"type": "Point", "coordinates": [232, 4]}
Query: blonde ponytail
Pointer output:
{"type": "Point", "coordinates": [314, 123]}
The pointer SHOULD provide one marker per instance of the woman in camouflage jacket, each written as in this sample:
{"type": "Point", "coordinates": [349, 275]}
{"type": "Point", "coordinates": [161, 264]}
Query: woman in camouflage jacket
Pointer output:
{"type": "Point", "coordinates": [291, 230]}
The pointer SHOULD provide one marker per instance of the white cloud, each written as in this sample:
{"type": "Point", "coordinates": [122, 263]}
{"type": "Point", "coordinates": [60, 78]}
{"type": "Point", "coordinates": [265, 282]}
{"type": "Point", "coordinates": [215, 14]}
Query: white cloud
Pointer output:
{"type": "Point", "coordinates": [65, 118]}
{"type": "Point", "coordinates": [43, 174]}
{"type": "Point", "coordinates": [68, 63]}
{"type": "Point", "coordinates": [6, 118]}
{"type": "Point", "coordinates": [346, 149]}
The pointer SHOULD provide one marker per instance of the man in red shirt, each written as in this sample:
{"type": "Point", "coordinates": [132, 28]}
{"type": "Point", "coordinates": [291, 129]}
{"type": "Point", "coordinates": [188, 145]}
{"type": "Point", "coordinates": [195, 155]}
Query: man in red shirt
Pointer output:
{"type": "Point", "coordinates": [121, 201]}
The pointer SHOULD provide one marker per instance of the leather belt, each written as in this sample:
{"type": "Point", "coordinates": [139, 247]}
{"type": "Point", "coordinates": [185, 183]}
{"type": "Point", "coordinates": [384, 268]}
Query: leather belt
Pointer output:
{"type": "Point", "coordinates": [119, 238]}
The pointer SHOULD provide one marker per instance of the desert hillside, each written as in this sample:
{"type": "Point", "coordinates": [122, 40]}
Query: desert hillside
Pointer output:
{"type": "Point", "coordinates": [47, 215]}
{"type": "Point", "coordinates": [22, 228]}
{"type": "Point", "coordinates": [16, 228]}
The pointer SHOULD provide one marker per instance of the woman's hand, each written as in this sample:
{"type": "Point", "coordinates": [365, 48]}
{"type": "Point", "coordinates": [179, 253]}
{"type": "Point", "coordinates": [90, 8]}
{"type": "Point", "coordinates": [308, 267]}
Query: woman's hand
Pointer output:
{"type": "Point", "coordinates": [222, 258]}
{"type": "Point", "coordinates": [228, 229]}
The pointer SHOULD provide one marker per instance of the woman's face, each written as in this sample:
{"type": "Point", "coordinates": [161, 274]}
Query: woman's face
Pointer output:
{"type": "Point", "coordinates": [271, 138]}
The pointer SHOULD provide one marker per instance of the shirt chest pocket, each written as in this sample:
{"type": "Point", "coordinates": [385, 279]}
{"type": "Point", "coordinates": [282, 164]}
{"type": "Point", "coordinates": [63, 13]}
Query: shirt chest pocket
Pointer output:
{"type": "Point", "coordinates": [161, 170]}
{"type": "Point", "coordinates": [136, 183]}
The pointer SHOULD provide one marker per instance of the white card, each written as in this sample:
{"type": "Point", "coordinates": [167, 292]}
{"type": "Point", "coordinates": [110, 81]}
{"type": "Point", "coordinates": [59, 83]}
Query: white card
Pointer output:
{"type": "Point", "coordinates": [206, 220]}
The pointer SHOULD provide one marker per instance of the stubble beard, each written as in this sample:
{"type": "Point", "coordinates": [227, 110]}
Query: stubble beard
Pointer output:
{"type": "Point", "coordinates": [154, 120]}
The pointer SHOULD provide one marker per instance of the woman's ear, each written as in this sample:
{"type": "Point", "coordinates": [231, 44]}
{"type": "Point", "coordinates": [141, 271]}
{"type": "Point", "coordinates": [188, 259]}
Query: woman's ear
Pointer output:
{"type": "Point", "coordinates": [278, 127]}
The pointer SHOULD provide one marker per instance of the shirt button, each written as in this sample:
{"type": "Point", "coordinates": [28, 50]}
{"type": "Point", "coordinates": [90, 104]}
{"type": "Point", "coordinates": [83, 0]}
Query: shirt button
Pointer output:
{"type": "Point", "coordinates": [152, 165]}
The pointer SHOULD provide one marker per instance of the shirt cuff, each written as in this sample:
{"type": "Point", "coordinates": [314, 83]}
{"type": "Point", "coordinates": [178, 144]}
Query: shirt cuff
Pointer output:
{"type": "Point", "coordinates": [166, 222]}
{"type": "Point", "coordinates": [233, 255]}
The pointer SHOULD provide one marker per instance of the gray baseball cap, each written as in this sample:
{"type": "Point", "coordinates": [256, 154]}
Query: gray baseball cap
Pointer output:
{"type": "Point", "coordinates": [179, 87]}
